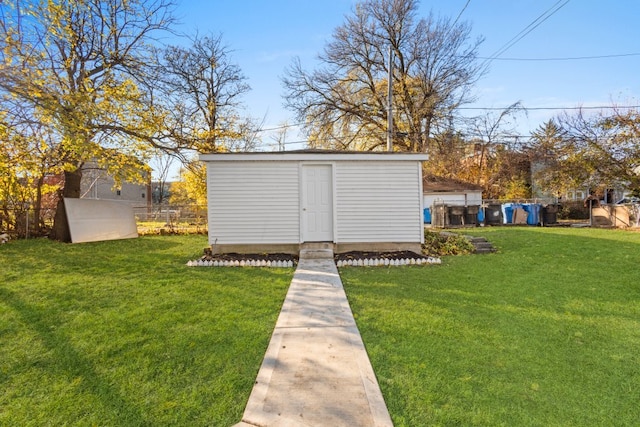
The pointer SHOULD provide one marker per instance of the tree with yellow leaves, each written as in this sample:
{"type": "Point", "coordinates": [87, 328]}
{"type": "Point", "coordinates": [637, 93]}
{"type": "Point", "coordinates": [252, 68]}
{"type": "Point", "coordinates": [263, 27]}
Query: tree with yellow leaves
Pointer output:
{"type": "Point", "coordinates": [191, 189]}
{"type": "Point", "coordinates": [77, 65]}
{"type": "Point", "coordinates": [27, 156]}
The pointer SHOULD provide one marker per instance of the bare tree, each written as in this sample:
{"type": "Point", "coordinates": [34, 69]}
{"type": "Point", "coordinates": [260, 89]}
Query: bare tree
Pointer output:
{"type": "Point", "coordinates": [202, 90]}
{"type": "Point", "coordinates": [494, 158]}
{"type": "Point", "coordinates": [623, 128]}
{"type": "Point", "coordinates": [344, 102]}
{"type": "Point", "coordinates": [279, 137]}
{"type": "Point", "coordinates": [162, 163]}
{"type": "Point", "coordinates": [594, 150]}
{"type": "Point", "coordinates": [248, 132]}
{"type": "Point", "coordinates": [488, 132]}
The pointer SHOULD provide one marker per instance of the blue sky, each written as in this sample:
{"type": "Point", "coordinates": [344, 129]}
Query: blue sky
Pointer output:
{"type": "Point", "coordinates": [265, 36]}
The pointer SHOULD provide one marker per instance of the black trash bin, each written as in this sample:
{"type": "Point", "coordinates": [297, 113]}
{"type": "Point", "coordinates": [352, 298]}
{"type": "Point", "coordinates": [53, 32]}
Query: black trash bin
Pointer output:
{"type": "Point", "coordinates": [493, 214]}
{"type": "Point", "coordinates": [471, 215]}
{"type": "Point", "coordinates": [456, 215]}
{"type": "Point", "coordinates": [549, 214]}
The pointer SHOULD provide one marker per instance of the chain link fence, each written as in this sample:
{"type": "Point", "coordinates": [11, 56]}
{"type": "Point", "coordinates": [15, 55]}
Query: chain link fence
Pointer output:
{"type": "Point", "coordinates": [24, 222]}
{"type": "Point", "coordinates": [171, 219]}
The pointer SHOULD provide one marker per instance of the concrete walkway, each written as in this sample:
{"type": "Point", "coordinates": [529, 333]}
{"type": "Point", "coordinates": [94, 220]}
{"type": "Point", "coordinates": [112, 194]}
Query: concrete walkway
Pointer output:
{"type": "Point", "coordinates": [316, 371]}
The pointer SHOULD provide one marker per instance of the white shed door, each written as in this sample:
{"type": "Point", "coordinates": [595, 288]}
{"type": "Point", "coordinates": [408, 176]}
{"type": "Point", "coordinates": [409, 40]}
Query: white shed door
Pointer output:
{"type": "Point", "coordinates": [317, 203]}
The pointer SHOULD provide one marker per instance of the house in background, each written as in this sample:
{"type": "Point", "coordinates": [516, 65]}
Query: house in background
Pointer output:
{"type": "Point", "coordinates": [276, 202]}
{"type": "Point", "coordinates": [449, 202]}
{"type": "Point", "coordinates": [451, 192]}
{"type": "Point", "coordinates": [97, 184]}
{"type": "Point", "coordinates": [607, 192]}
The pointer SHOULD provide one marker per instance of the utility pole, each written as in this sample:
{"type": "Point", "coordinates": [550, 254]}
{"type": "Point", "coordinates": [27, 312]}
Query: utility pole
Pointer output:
{"type": "Point", "coordinates": [390, 103]}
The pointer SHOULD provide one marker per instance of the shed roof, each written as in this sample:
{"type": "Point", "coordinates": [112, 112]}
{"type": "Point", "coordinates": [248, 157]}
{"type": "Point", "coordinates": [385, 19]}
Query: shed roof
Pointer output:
{"type": "Point", "coordinates": [437, 184]}
{"type": "Point", "coordinates": [315, 154]}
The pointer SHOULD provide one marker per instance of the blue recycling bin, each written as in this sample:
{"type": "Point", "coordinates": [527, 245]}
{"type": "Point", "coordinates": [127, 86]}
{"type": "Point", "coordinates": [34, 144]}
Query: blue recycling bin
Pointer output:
{"type": "Point", "coordinates": [507, 213]}
{"type": "Point", "coordinates": [427, 215]}
{"type": "Point", "coordinates": [533, 213]}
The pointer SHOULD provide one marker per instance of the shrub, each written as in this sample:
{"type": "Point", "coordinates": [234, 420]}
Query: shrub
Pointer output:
{"type": "Point", "coordinates": [440, 244]}
{"type": "Point", "coordinates": [573, 210]}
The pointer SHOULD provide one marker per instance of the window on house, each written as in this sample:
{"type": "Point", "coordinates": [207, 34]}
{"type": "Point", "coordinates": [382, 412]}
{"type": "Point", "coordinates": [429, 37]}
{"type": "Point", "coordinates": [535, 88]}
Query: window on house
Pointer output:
{"type": "Point", "coordinates": [118, 193]}
{"type": "Point", "coordinates": [143, 195]}
{"type": "Point", "coordinates": [579, 195]}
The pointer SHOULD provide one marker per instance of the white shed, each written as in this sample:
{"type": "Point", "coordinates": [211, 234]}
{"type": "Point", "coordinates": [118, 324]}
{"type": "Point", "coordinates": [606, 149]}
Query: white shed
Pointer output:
{"type": "Point", "coordinates": [450, 192]}
{"type": "Point", "coordinates": [274, 202]}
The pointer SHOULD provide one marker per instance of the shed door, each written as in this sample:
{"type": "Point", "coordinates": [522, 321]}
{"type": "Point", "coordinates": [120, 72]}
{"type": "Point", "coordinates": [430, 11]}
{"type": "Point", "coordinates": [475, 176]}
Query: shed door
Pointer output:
{"type": "Point", "coordinates": [317, 203]}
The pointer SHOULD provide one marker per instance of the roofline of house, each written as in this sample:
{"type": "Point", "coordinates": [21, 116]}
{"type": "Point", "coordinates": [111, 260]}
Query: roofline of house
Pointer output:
{"type": "Point", "coordinates": [451, 192]}
{"type": "Point", "coordinates": [431, 183]}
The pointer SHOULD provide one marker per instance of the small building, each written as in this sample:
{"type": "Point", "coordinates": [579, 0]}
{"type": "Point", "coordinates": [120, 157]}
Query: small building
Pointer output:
{"type": "Point", "coordinates": [450, 192]}
{"type": "Point", "coordinates": [96, 183]}
{"type": "Point", "coordinates": [274, 202]}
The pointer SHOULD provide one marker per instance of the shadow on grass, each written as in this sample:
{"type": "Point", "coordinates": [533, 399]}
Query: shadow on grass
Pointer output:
{"type": "Point", "coordinates": [115, 255]}
{"type": "Point", "coordinates": [72, 364]}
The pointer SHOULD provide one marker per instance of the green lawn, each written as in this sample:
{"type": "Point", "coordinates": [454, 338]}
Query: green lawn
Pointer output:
{"type": "Point", "coordinates": [122, 333]}
{"type": "Point", "coordinates": [544, 333]}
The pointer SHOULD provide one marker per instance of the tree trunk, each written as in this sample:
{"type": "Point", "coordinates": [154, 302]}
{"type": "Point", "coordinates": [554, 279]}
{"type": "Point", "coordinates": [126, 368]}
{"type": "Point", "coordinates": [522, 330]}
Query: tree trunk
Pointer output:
{"type": "Point", "coordinates": [37, 207]}
{"type": "Point", "coordinates": [70, 190]}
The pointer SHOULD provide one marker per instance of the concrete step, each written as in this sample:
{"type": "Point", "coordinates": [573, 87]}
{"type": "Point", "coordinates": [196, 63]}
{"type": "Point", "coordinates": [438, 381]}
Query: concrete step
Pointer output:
{"type": "Point", "coordinates": [484, 250]}
{"type": "Point", "coordinates": [316, 254]}
{"type": "Point", "coordinates": [483, 246]}
{"type": "Point", "coordinates": [316, 250]}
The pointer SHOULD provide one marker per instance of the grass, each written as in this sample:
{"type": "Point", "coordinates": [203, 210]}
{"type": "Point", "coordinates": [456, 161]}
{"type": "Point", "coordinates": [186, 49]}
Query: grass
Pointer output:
{"type": "Point", "coordinates": [122, 333]}
{"type": "Point", "coordinates": [150, 228]}
{"type": "Point", "coordinates": [544, 333]}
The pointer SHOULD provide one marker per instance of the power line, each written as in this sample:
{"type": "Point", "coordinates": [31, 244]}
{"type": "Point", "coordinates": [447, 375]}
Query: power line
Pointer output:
{"type": "Point", "coordinates": [532, 26]}
{"type": "Point", "coordinates": [597, 107]}
{"type": "Point", "coordinates": [279, 127]}
{"type": "Point", "coordinates": [574, 58]}
{"type": "Point", "coordinates": [461, 12]}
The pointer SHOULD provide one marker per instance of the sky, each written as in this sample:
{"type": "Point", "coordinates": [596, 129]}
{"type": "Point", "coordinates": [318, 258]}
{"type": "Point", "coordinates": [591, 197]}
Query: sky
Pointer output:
{"type": "Point", "coordinates": [265, 36]}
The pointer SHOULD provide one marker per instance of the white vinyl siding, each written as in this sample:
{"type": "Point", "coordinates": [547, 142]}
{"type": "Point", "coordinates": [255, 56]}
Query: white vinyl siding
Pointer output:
{"type": "Point", "coordinates": [256, 198]}
{"type": "Point", "coordinates": [253, 202]}
{"type": "Point", "coordinates": [378, 202]}
{"type": "Point", "coordinates": [470, 198]}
